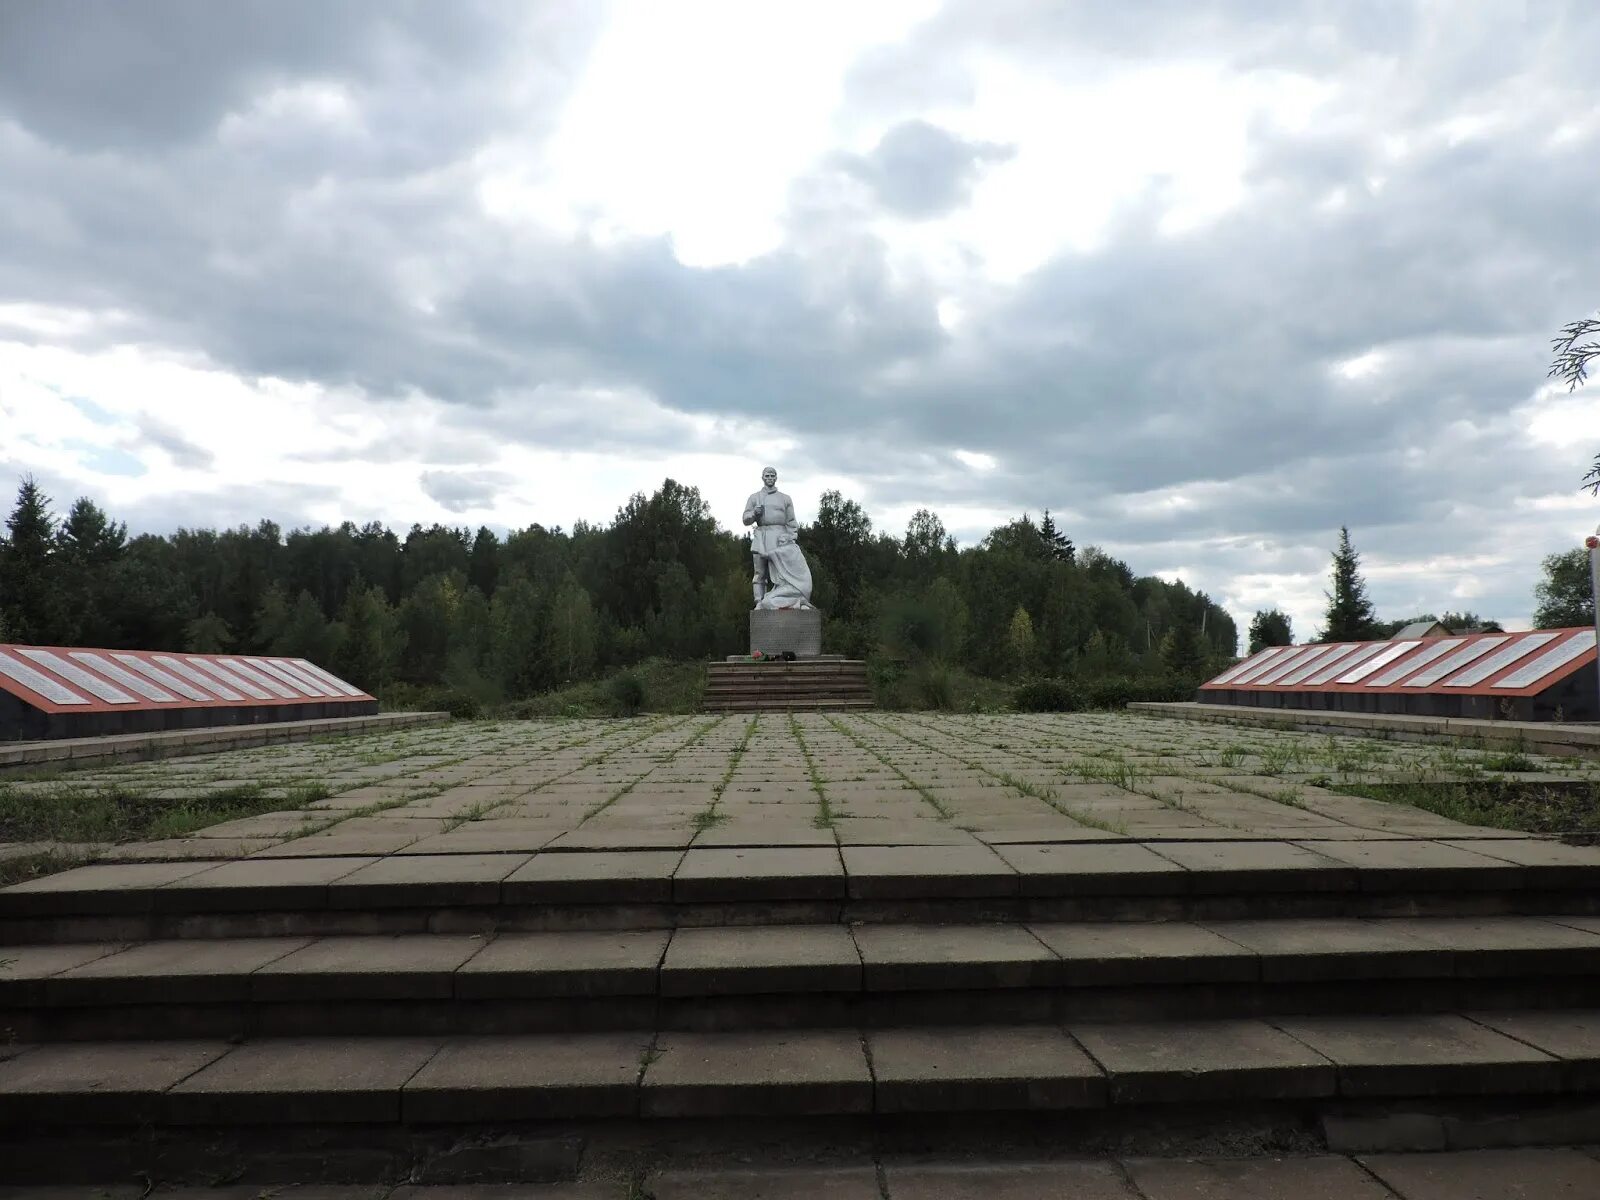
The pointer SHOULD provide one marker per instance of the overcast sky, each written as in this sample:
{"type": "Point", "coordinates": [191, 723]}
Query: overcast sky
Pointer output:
{"type": "Point", "coordinates": [1207, 279]}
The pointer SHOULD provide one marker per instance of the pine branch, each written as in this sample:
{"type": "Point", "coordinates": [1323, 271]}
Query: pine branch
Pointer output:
{"type": "Point", "coordinates": [1571, 355]}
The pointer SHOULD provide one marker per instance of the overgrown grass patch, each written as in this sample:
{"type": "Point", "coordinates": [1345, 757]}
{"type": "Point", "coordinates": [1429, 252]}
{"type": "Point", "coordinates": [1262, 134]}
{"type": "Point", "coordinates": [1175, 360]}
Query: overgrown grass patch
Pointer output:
{"type": "Point", "coordinates": [669, 687]}
{"type": "Point", "coordinates": [1533, 806]}
{"type": "Point", "coordinates": [113, 813]}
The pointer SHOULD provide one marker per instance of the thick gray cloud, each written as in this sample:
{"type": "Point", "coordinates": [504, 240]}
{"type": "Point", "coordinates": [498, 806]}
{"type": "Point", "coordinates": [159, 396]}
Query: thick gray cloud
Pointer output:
{"type": "Point", "coordinates": [919, 170]}
{"type": "Point", "coordinates": [1438, 218]}
{"type": "Point", "coordinates": [463, 491]}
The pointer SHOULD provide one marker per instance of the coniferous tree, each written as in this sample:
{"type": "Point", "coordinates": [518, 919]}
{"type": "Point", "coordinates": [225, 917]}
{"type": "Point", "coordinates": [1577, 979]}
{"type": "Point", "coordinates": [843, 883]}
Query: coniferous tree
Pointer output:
{"type": "Point", "coordinates": [1350, 616]}
{"type": "Point", "coordinates": [1058, 545]}
{"type": "Point", "coordinates": [1182, 651]}
{"type": "Point", "coordinates": [1269, 627]}
{"type": "Point", "coordinates": [370, 641]}
{"type": "Point", "coordinates": [570, 632]}
{"type": "Point", "coordinates": [27, 591]}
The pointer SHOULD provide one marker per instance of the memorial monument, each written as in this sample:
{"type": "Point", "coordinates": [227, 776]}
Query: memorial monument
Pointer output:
{"type": "Point", "coordinates": [782, 620]}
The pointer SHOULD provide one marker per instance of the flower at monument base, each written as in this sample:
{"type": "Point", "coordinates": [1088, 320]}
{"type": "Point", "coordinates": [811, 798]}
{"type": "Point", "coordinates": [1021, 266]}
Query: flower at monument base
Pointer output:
{"type": "Point", "coordinates": [1592, 542]}
{"type": "Point", "coordinates": [756, 654]}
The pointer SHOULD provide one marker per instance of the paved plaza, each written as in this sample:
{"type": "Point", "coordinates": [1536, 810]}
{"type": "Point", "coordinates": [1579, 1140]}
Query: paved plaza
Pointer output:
{"type": "Point", "coordinates": [811, 780]}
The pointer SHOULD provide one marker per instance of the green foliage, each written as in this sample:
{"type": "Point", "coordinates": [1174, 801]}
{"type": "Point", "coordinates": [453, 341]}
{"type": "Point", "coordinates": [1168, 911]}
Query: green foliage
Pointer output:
{"type": "Point", "coordinates": [1019, 642]}
{"type": "Point", "coordinates": [1270, 627]}
{"type": "Point", "coordinates": [207, 634]}
{"type": "Point", "coordinates": [627, 694]}
{"type": "Point", "coordinates": [506, 619]}
{"type": "Point", "coordinates": [1565, 596]}
{"type": "Point", "coordinates": [1350, 615]}
{"type": "Point", "coordinates": [1116, 692]}
{"type": "Point", "coordinates": [1182, 652]}
{"type": "Point", "coordinates": [1048, 695]}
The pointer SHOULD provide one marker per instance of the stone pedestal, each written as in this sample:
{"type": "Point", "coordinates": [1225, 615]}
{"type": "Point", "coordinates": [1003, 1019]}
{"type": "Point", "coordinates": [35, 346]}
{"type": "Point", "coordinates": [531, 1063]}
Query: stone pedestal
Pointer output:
{"type": "Point", "coordinates": [775, 630]}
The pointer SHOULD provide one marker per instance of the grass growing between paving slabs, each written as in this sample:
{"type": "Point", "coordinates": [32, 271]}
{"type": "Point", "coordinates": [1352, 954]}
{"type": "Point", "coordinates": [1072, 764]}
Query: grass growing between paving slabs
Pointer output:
{"type": "Point", "coordinates": [116, 812]}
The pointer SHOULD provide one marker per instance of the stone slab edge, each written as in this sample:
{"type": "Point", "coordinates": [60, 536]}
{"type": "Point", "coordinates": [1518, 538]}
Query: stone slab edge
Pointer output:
{"type": "Point", "coordinates": [1533, 736]}
{"type": "Point", "coordinates": [177, 743]}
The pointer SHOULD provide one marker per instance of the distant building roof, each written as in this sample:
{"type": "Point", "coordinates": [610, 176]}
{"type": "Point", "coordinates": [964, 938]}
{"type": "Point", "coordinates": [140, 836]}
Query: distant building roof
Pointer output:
{"type": "Point", "coordinates": [1420, 629]}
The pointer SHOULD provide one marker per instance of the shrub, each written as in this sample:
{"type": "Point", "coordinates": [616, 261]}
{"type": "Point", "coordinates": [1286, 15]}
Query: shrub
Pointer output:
{"type": "Point", "coordinates": [1048, 695]}
{"type": "Point", "coordinates": [626, 693]}
{"type": "Point", "coordinates": [1118, 691]}
{"type": "Point", "coordinates": [408, 697]}
{"type": "Point", "coordinates": [935, 686]}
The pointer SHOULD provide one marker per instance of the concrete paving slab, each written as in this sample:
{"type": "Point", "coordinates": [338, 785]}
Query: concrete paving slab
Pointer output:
{"type": "Point", "coordinates": [869, 831]}
{"type": "Point", "coordinates": [1093, 869]}
{"type": "Point", "coordinates": [257, 885]}
{"type": "Point", "coordinates": [595, 877]}
{"type": "Point", "coordinates": [296, 1081]}
{"type": "Point", "coordinates": [1572, 1035]}
{"type": "Point", "coordinates": [945, 872]}
{"type": "Point", "coordinates": [1318, 1177]}
{"type": "Point", "coordinates": [760, 873]}
{"type": "Point", "coordinates": [770, 958]}
{"type": "Point", "coordinates": [408, 967]}
{"type": "Point", "coordinates": [1438, 1054]}
{"type": "Point", "coordinates": [763, 833]}
{"type": "Point", "coordinates": [1517, 1174]}
{"type": "Point", "coordinates": [530, 1078]}
{"type": "Point", "coordinates": [1301, 949]}
{"type": "Point", "coordinates": [1218, 867]}
{"type": "Point", "coordinates": [1078, 1180]}
{"type": "Point", "coordinates": [1420, 866]}
{"type": "Point", "coordinates": [26, 967]}
{"type": "Point", "coordinates": [1167, 1062]}
{"type": "Point", "coordinates": [1489, 946]}
{"type": "Point", "coordinates": [822, 1183]}
{"type": "Point", "coordinates": [71, 1083]}
{"type": "Point", "coordinates": [966, 1068]}
{"type": "Point", "coordinates": [417, 881]}
{"type": "Point", "coordinates": [602, 837]}
{"type": "Point", "coordinates": [98, 888]}
{"type": "Point", "coordinates": [791, 1073]}
{"type": "Point", "coordinates": [920, 957]}
{"type": "Point", "coordinates": [198, 971]}
{"type": "Point", "coordinates": [518, 966]}
{"type": "Point", "coordinates": [1112, 953]}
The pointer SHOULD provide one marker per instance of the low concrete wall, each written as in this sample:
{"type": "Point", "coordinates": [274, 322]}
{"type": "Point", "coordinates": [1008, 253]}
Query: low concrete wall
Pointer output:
{"type": "Point", "coordinates": [1536, 737]}
{"type": "Point", "coordinates": [139, 747]}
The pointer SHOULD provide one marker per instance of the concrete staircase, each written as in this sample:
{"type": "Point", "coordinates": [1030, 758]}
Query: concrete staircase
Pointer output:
{"type": "Point", "coordinates": [806, 685]}
{"type": "Point", "coordinates": [506, 1016]}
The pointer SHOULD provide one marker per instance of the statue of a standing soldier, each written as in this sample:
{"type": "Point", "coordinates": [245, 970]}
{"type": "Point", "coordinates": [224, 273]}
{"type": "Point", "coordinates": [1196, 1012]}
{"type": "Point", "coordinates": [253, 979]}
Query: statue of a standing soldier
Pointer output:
{"type": "Point", "coordinates": [782, 576]}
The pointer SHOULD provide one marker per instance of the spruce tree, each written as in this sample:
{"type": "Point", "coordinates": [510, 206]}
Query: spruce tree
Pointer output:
{"type": "Point", "coordinates": [1350, 616]}
{"type": "Point", "coordinates": [1057, 544]}
{"type": "Point", "coordinates": [1269, 627]}
{"type": "Point", "coordinates": [27, 594]}
{"type": "Point", "coordinates": [1182, 651]}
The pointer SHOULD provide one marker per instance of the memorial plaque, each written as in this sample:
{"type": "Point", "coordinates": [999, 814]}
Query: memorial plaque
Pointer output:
{"type": "Point", "coordinates": [258, 677]}
{"type": "Point", "coordinates": [1420, 659]}
{"type": "Point", "coordinates": [1265, 661]}
{"type": "Point", "coordinates": [126, 678]}
{"type": "Point", "coordinates": [1257, 660]}
{"type": "Point", "coordinates": [1367, 650]}
{"type": "Point", "coordinates": [331, 680]}
{"type": "Point", "coordinates": [102, 689]}
{"type": "Point", "coordinates": [165, 679]}
{"type": "Point", "coordinates": [1557, 656]}
{"type": "Point", "coordinates": [231, 678]}
{"type": "Point", "coordinates": [200, 680]}
{"type": "Point", "coordinates": [37, 681]}
{"type": "Point", "coordinates": [300, 686]}
{"type": "Point", "coordinates": [1271, 678]}
{"type": "Point", "coordinates": [1468, 653]}
{"type": "Point", "coordinates": [1499, 660]}
{"type": "Point", "coordinates": [1336, 656]}
{"type": "Point", "coordinates": [1391, 652]}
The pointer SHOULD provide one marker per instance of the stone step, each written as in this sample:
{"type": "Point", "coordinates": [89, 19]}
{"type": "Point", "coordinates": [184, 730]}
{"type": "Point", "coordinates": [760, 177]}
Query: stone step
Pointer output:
{"type": "Point", "coordinates": [738, 704]}
{"type": "Point", "coordinates": [1346, 1074]}
{"type": "Point", "coordinates": [768, 977]}
{"type": "Point", "coordinates": [633, 886]}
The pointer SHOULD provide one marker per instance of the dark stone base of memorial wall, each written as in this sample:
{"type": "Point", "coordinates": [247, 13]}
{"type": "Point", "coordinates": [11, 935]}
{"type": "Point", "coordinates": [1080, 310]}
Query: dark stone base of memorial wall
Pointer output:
{"type": "Point", "coordinates": [22, 723]}
{"type": "Point", "coordinates": [1573, 699]}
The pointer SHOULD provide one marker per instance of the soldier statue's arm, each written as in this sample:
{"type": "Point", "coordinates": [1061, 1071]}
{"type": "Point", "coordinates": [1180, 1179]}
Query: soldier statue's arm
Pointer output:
{"type": "Point", "coordinates": [752, 510]}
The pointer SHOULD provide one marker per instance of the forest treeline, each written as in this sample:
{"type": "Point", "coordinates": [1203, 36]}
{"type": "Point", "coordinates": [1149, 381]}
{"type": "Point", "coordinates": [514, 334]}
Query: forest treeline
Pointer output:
{"type": "Point", "coordinates": [503, 618]}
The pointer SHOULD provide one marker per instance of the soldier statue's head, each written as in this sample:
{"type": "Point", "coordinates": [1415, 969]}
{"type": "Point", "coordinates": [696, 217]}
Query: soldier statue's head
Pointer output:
{"type": "Point", "coordinates": [769, 476]}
